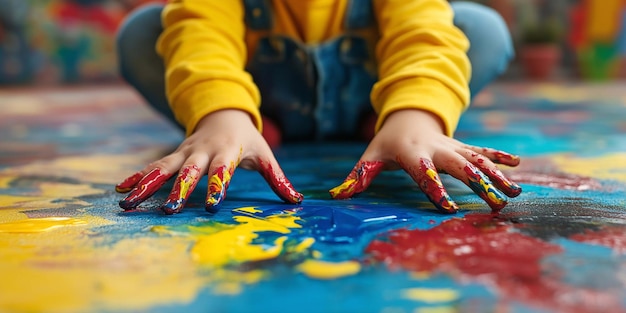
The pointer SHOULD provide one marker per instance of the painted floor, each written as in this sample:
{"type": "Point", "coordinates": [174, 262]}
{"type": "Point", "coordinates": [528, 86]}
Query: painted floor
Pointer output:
{"type": "Point", "coordinates": [66, 246]}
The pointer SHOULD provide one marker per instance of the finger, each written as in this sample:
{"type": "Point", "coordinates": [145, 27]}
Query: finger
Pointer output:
{"type": "Point", "coordinates": [145, 188]}
{"type": "Point", "coordinates": [509, 188]}
{"type": "Point", "coordinates": [424, 173]}
{"type": "Point", "coordinates": [497, 156]}
{"type": "Point", "coordinates": [358, 180]}
{"type": "Point", "coordinates": [463, 170]}
{"type": "Point", "coordinates": [275, 177]}
{"type": "Point", "coordinates": [219, 180]}
{"type": "Point", "coordinates": [183, 187]}
{"type": "Point", "coordinates": [130, 182]}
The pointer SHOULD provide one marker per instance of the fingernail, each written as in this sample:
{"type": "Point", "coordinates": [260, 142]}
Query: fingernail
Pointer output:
{"type": "Point", "coordinates": [145, 188]}
{"type": "Point", "coordinates": [510, 188]}
{"type": "Point", "coordinates": [128, 184]}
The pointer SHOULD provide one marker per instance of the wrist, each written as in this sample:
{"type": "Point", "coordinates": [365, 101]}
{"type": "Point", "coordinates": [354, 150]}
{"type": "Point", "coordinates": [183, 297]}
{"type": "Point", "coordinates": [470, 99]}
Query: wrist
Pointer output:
{"type": "Point", "coordinates": [425, 119]}
{"type": "Point", "coordinates": [232, 116]}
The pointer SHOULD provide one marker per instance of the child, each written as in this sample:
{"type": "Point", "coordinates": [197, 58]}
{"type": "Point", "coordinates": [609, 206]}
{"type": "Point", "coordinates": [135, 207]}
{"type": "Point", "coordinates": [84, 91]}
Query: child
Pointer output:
{"type": "Point", "coordinates": [315, 69]}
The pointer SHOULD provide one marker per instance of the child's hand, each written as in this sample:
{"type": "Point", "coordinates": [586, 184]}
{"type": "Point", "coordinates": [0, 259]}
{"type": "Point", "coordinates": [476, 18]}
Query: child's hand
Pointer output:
{"type": "Point", "coordinates": [222, 141]}
{"type": "Point", "coordinates": [414, 141]}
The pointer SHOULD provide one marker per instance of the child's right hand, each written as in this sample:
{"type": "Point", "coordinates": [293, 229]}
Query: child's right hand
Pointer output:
{"type": "Point", "coordinates": [222, 141]}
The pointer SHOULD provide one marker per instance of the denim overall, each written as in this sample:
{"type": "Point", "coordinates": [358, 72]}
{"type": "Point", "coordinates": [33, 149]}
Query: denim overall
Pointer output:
{"type": "Point", "coordinates": [313, 91]}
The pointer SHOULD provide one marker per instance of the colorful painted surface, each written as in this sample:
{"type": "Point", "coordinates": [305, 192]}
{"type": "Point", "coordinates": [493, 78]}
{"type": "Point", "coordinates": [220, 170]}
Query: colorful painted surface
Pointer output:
{"type": "Point", "coordinates": [66, 245]}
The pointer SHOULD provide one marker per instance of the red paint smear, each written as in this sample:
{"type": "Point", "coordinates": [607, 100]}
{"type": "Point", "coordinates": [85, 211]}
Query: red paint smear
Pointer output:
{"type": "Point", "coordinates": [556, 180]}
{"type": "Point", "coordinates": [612, 237]}
{"type": "Point", "coordinates": [482, 248]}
{"type": "Point", "coordinates": [280, 184]}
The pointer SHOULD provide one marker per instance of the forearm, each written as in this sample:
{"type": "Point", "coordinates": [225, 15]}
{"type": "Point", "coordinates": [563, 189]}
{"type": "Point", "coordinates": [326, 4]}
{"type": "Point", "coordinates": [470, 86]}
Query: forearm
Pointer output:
{"type": "Point", "coordinates": [422, 61]}
{"type": "Point", "coordinates": [204, 53]}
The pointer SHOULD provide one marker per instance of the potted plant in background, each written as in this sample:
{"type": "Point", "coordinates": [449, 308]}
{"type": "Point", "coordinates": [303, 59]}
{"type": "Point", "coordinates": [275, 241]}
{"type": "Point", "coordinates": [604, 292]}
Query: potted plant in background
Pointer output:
{"type": "Point", "coordinates": [540, 52]}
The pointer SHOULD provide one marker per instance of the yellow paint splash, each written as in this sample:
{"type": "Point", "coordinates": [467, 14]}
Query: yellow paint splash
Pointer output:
{"type": "Point", "coordinates": [5, 181]}
{"type": "Point", "coordinates": [234, 245]}
{"type": "Point", "coordinates": [36, 225]}
{"type": "Point", "coordinates": [438, 309]}
{"type": "Point", "coordinates": [609, 166]}
{"type": "Point", "coordinates": [429, 295]}
{"type": "Point", "coordinates": [328, 270]}
{"type": "Point", "coordinates": [65, 272]}
{"type": "Point", "coordinates": [61, 264]}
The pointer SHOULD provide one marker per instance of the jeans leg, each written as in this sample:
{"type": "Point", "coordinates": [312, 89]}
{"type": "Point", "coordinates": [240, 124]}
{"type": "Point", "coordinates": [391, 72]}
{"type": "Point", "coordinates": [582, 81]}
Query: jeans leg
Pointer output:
{"type": "Point", "coordinates": [491, 48]}
{"type": "Point", "coordinates": [139, 63]}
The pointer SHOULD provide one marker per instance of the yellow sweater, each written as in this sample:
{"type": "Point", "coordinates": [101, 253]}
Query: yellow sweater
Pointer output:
{"type": "Point", "coordinates": [421, 55]}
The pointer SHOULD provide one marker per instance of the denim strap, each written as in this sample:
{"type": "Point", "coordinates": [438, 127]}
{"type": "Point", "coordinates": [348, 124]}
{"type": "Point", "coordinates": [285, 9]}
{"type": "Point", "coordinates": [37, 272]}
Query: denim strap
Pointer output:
{"type": "Point", "coordinates": [258, 14]}
{"type": "Point", "coordinates": [360, 14]}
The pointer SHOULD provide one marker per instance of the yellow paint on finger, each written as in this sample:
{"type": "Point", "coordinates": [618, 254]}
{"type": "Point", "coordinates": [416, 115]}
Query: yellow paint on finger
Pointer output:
{"type": "Point", "coordinates": [329, 270]}
{"type": "Point", "coordinates": [346, 187]}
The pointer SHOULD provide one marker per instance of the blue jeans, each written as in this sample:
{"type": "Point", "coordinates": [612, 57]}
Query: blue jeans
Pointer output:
{"type": "Point", "coordinates": [490, 52]}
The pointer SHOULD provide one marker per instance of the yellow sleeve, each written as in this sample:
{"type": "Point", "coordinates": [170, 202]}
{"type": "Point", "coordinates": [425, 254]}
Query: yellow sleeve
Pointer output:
{"type": "Point", "coordinates": [422, 61]}
{"type": "Point", "coordinates": [204, 52]}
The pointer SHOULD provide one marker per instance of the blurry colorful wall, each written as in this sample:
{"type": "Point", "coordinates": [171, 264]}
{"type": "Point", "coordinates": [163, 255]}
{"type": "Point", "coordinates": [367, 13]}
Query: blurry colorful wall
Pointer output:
{"type": "Point", "coordinates": [590, 34]}
{"type": "Point", "coordinates": [72, 41]}
{"type": "Point", "coordinates": [60, 41]}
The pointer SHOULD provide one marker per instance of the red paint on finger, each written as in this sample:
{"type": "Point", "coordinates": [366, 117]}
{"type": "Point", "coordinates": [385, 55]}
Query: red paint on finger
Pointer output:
{"type": "Point", "coordinates": [509, 188]}
{"type": "Point", "coordinates": [280, 184]}
{"type": "Point", "coordinates": [145, 188]}
{"type": "Point", "coordinates": [429, 182]}
{"type": "Point", "coordinates": [218, 184]}
{"type": "Point", "coordinates": [502, 157]}
{"type": "Point", "coordinates": [129, 183]}
{"type": "Point", "coordinates": [183, 187]}
{"type": "Point", "coordinates": [358, 180]}
{"type": "Point", "coordinates": [481, 185]}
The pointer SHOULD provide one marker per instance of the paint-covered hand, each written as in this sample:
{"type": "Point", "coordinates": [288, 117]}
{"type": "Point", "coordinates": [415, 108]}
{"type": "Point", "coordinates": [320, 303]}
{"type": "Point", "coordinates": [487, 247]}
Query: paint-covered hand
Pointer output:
{"type": "Point", "coordinates": [222, 141]}
{"type": "Point", "coordinates": [414, 141]}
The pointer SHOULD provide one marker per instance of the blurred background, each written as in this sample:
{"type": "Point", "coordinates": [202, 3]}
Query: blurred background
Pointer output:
{"type": "Point", "coordinates": [51, 42]}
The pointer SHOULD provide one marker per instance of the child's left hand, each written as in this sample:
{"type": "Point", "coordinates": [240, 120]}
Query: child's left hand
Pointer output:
{"type": "Point", "coordinates": [414, 141]}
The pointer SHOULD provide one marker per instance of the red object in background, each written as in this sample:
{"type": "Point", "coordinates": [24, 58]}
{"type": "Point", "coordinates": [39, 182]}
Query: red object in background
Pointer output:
{"type": "Point", "coordinates": [540, 61]}
{"type": "Point", "coordinates": [271, 133]}
{"type": "Point", "coordinates": [576, 37]}
{"type": "Point", "coordinates": [68, 13]}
